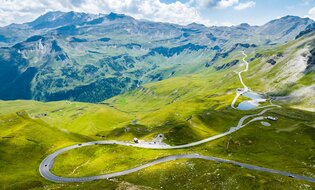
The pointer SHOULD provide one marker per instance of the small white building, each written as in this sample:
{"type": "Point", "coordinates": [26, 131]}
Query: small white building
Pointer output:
{"type": "Point", "coordinates": [136, 140]}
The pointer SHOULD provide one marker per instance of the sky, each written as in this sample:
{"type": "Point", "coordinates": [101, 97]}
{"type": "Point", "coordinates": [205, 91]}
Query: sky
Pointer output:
{"type": "Point", "coordinates": [207, 12]}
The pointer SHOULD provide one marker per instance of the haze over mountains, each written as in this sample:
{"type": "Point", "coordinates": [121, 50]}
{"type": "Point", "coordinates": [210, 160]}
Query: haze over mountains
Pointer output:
{"type": "Point", "coordinates": [87, 57]}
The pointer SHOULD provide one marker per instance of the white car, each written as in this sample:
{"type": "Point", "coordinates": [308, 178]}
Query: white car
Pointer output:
{"type": "Point", "coordinates": [272, 118]}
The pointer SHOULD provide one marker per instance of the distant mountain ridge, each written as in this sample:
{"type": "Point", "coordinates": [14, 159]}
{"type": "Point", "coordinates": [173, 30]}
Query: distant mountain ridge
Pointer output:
{"type": "Point", "coordinates": [281, 29]}
{"type": "Point", "coordinates": [89, 57]}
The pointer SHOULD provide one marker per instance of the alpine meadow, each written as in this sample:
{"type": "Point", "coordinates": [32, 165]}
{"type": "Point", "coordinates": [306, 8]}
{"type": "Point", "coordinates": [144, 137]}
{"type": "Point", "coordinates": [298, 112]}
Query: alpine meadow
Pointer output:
{"type": "Point", "coordinates": [142, 96]}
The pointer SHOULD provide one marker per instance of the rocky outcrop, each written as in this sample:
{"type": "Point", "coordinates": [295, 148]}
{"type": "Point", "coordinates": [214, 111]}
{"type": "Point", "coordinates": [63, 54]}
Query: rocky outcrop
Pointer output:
{"type": "Point", "coordinates": [226, 54]}
{"type": "Point", "coordinates": [169, 52]}
{"type": "Point", "coordinates": [309, 29]}
{"type": "Point", "coordinates": [271, 61]}
{"type": "Point", "coordinates": [257, 55]}
{"type": "Point", "coordinates": [227, 65]}
{"type": "Point", "coordinates": [311, 60]}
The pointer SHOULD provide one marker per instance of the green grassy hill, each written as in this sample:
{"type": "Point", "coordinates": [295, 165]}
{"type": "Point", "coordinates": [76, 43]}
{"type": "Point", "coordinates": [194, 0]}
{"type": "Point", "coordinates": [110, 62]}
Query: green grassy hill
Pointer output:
{"type": "Point", "coordinates": [186, 109]}
{"type": "Point", "coordinates": [30, 130]}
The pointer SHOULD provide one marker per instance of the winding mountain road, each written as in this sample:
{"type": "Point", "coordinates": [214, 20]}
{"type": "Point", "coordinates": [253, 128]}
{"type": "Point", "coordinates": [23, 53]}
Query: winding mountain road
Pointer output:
{"type": "Point", "coordinates": [48, 162]}
{"type": "Point", "coordinates": [246, 89]}
{"type": "Point", "coordinates": [245, 70]}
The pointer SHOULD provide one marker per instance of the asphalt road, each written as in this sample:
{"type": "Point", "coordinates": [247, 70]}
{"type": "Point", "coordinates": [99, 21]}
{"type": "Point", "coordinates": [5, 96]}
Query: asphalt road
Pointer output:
{"type": "Point", "coordinates": [48, 162]}
{"type": "Point", "coordinates": [245, 70]}
{"type": "Point", "coordinates": [246, 89]}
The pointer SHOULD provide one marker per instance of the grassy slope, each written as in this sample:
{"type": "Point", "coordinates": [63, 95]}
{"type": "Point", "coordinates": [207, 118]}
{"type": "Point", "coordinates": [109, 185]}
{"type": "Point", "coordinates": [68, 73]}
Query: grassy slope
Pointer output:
{"type": "Point", "coordinates": [23, 143]}
{"type": "Point", "coordinates": [185, 109]}
{"type": "Point", "coordinates": [26, 139]}
{"type": "Point", "coordinates": [195, 105]}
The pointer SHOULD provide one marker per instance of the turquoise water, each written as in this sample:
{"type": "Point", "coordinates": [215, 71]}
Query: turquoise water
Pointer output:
{"type": "Point", "coordinates": [246, 106]}
{"type": "Point", "coordinates": [252, 96]}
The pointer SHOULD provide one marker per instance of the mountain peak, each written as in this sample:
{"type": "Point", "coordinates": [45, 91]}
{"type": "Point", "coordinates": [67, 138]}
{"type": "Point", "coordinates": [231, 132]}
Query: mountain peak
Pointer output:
{"type": "Point", "coordinates": [51, 15]}
{"type": "Point", "coordinates": [285, 20]}
{"type": "Point", "coordinates": [286, 27]}
{"type": "Point", "coordinates": [114, 16]}
{"type": "Point", "coordinates": [291, 18]}
{"type": "Point", "coordinates": [55, 19]}
{"type": "Point", "coordinates": [196, 25]}
{"type": "Point", "coordinates": [244, 25]}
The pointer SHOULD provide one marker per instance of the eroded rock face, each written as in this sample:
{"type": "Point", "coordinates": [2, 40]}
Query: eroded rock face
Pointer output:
{"type": "Point", "coordinates": [311, 59]}
{"type": "Point", "coordinates": [271, 61]}
{"type": "Point", "coordinates": [227, 65]}
{"type": "Point", "coordinates": [293, 69]}
{"type": "Point", "coordinates": [257, 55]}
{"type": "Point", "coordinates": [169, 52]}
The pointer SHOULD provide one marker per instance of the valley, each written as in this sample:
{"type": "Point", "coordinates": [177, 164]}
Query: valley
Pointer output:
{"type": "Point", "coordinates": [48, 162]}
{"type": "Point", "coordinates": [84, 98]}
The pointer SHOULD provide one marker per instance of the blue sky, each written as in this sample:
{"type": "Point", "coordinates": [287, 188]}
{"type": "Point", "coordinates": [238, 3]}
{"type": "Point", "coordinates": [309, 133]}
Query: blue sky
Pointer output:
{"type": "Point", "coordinates": [208, 12]}
{"type": "Point", "coordinates": [262, 12]}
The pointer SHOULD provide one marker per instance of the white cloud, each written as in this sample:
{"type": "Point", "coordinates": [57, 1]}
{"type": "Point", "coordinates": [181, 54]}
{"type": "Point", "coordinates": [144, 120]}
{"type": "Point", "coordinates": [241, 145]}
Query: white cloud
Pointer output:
{"type": "Point", "coordinates": [311, 13]}
{"type": "Point", "coordinates": [243, 6]}
{"type": "Point", "coordinates": [226, 3]}
{"type": "Point", "coordinates": [219, 4]}
{"type": "Point", "coordinates": [202, 4]}
{"type": "Point", "coordinates": [19, 11]}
